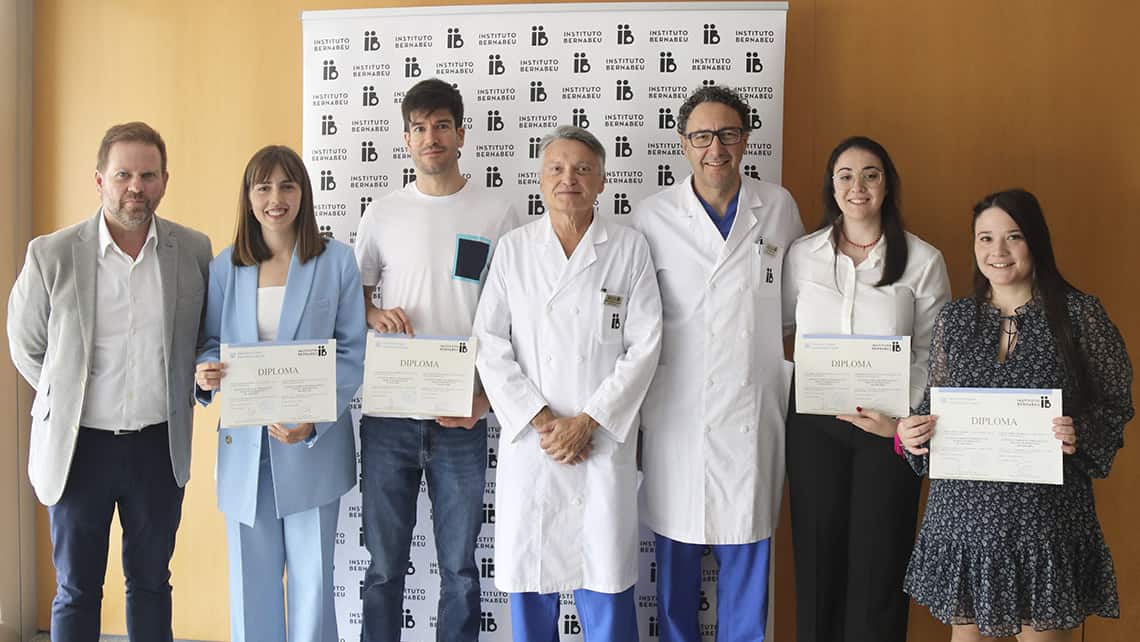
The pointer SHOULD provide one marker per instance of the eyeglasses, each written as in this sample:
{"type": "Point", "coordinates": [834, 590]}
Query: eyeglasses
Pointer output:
{"type": "Point", "coordinates": [726, 136]}
{"type": "Point", "coordinates": [870, 177]}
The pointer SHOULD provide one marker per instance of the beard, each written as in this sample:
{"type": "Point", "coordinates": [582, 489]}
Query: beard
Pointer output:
{"type": "Point", "coordinates": [131, 216]}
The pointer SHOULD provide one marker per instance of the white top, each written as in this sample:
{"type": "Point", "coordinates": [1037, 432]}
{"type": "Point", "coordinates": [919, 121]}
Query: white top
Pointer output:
{"type": "Point", "coordinates": [579, 335]}
{"type": "Point", "coordinates": [713, 421]}
{"type": "Point", "coordinates": [825, 292]}
{"type": "Point", "coordinates": [269, 300]}
{"type": "Point", "coordinates": [429, 254]}
{"type": "Point", "coordinates": [126, 388]}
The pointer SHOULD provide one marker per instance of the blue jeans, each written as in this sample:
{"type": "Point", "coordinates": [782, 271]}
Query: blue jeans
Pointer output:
{"type": "Point", "coordinates": [394, 455]}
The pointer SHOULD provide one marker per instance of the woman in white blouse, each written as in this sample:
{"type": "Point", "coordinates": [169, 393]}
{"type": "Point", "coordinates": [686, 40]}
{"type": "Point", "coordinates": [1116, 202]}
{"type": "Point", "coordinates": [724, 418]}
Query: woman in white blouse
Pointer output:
{"type": "Point", "coordinates": [854, 500]}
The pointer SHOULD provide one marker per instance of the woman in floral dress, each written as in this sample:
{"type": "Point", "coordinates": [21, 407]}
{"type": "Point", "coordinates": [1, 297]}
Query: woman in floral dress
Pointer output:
{"type": "Point", "coordinates": [996, 559]}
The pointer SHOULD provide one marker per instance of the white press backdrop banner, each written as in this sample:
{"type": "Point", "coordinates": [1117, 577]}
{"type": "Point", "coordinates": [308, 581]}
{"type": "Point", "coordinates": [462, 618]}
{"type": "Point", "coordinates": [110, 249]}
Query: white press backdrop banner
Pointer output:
{"type": "Point", "coordinates": [619, 70]}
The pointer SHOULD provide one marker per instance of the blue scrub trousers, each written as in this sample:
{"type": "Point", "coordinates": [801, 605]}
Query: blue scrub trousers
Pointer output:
{"type": "Point", "coordinates": [741, 590]}
{"type": "Point", "coordinates": [602, 617]}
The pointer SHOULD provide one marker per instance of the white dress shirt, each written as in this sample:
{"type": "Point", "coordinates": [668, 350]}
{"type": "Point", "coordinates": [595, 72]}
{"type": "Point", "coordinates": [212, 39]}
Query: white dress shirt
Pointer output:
{"type": "Point", "coordinates": [825, 292]}
{"type": "Point", "coordinates": [126, 388]}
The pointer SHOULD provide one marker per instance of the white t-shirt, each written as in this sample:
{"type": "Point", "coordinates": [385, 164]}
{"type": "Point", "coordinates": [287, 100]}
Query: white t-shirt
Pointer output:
{"type": "Point", "coordinates": [429, 254]}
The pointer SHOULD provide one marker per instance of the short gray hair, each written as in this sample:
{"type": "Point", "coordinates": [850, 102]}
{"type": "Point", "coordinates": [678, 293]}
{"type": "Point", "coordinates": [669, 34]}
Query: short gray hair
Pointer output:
{"type": "Point", "coordinates": [570, 132]}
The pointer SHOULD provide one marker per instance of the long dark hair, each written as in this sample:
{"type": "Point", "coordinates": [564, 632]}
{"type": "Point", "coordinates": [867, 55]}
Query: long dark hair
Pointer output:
{"type": "Point", "coordinates": [249, 244]}
{"type": "Point", "coordinates": [1049, 286]}
{"type": "Point", "coordinates": [890, 216]}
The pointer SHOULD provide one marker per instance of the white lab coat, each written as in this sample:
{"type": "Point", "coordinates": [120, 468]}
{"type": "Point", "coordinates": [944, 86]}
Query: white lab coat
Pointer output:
{"type": "Point", "coordinates": [713, 421]}
{"type": "Point", "coordinates": [547, 338]}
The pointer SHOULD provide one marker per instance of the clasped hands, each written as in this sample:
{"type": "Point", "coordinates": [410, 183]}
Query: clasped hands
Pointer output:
{"type": "Point", "coordinates": [567, 440]}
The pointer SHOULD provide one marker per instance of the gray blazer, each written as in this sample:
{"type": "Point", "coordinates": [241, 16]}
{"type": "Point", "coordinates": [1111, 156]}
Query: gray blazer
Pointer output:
{"type": "Point", "coordinates": [51, 316]}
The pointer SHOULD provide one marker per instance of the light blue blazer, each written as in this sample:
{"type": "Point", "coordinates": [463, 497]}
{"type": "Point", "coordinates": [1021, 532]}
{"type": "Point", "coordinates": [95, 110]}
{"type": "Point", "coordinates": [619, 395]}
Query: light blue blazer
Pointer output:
{"type": "Point", "coordinates": [323, 300]}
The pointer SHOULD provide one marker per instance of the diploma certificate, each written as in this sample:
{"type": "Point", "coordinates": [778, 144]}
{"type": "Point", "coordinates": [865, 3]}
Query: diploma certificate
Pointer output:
{"type": "Point", "coordinates": [995, 434]}
{"type": "Point", "coordinates": [837, 372]}
{"type": "Point", "coordinates": [411, 377]}
{"type": "Point", "coordinates": [268, 383]}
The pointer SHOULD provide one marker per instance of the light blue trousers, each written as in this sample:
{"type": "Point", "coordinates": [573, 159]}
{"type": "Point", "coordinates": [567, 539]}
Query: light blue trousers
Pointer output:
{"type": "Point", "coordinates": [301, 543]}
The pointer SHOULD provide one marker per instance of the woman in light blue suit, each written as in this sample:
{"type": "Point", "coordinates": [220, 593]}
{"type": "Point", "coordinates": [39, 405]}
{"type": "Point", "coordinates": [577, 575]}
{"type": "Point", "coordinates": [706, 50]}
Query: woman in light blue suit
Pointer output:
{"type": "Point", "coordinates": [280, 485]}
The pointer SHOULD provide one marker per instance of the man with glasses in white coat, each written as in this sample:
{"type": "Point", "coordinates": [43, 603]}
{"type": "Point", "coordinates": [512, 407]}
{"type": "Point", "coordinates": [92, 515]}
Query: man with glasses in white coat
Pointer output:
{"type": "Point", "coordinates": [713, 421]}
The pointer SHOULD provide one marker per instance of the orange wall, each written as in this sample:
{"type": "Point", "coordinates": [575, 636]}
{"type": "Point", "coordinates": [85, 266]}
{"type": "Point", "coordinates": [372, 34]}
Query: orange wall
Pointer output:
{"type": "Point", "coordinates": [969, 97]}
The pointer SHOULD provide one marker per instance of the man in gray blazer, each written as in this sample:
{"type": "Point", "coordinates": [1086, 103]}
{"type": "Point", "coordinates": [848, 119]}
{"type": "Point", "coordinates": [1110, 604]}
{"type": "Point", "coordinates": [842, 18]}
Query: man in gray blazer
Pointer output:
{"type": "Point", "coordinates": [103, 323]}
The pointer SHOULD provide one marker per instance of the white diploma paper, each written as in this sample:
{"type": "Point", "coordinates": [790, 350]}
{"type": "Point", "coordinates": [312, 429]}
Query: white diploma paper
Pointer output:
{"type": "Point", "coordinates": [837, 372]}
{"type": "Point", "coordinates": [429, 377]}
{"type": "Point", "coordinates": [995, 434]}
{"type": "Point", "coordinates": [268, 383]}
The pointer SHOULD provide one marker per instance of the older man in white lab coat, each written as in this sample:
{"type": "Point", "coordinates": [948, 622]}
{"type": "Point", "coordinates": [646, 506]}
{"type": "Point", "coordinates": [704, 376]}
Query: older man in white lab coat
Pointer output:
{"type": "Point", "coordinates": [569, 330]}
{"type": "Point", "coordinates": [713, 442]}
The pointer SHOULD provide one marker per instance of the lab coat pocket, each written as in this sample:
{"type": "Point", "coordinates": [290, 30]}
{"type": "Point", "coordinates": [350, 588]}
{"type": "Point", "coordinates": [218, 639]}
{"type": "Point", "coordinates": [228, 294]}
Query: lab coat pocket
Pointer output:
{"type": "Point", "coordinates": [766, 262]}
{"type": "Point", "coordinates": [611, 321]}
{"type": "Point", "coordinates": [41, 405]}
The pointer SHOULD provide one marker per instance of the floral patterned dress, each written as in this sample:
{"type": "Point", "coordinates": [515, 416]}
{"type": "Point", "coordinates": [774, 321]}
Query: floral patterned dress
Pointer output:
{"type": "Point", "coordinates": [1004, 555]}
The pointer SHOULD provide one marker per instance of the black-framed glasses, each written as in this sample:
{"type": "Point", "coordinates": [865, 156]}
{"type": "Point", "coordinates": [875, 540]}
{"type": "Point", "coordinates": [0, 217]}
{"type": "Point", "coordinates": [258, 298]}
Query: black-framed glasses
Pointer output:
{"type": "Point", "coordinates": [726, 136]}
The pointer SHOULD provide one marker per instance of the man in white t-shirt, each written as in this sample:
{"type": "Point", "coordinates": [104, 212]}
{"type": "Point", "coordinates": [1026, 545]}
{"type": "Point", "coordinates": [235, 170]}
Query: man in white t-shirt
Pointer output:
{"type": "Point", "coordinates": [423, 253]}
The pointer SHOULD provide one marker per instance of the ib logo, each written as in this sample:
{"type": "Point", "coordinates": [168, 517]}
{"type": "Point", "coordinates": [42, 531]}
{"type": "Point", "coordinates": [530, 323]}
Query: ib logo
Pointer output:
{"type": "Point", "coordinates": [365, 201]}
{"type": "Point", "coordinates": [665, 118]}
{"type": "Point", "coordinates": [454, 38]}
{"type": "Point", "coordinates": [369, 97]}
{"type": "Point", "coordinates": [371, 40]}
{"type": "Point", "coordinates": [537, 93]}
{"type": "Point", "coordinates": [534, 206]}
{"type": "Point", "coordinates": [666, 64]}
{"type": "Point", "coordinates": [488, 513]}
{"type": "Point", "coordinates": [533, 146]}
{"type": "Point", "coordinates": [1045, 402]}
{"type": "Point", "coordinates": [487, 623]}
{"type": "Point", "coordinates": [896, 346]}
{"type": "Point", "coordinates": [321, 350]}
{"type": "Point", "coordinates": [494, 177]}
{"type": "Point", "coordinates": [412, 67]}
{"type": "Point", "coordinates": [652, 565]}
{"type": "Point", "coordinates": [615, 321]}
{"type": "Point", "coordinates": [754, 121]}
{"type": "Point", "coordinates": [328, 125]}
{"type": "Point", "coordinates": [494, 121]}
{"type": "Point", "coordinates": [769, 278]}
{"type": "Point", "coordinates": [495, 66]}
{"type": "Point", "coordinates": [462, 347]}
{"type": "Point", "coordinates": [622, 148]}
{"type": "Point", "coordinates": [704, 606]}
{"type": "Point", "coordinates": [411, 568]}
{"type": "Point", "coordinates": [408, 622]}
{"type": "Point", "coordinates": [624, 35]}
{"type": "Point", "coordinates": [752, 64]}
{"type": "Point", "coordinates": [487, 568]}
{"type": "Point", "coordinates": [581, 63]}
{"type": "Point", "coordinates": [752, 171]}
{"type": "Point", "coordinates": [578, 118]}
{"type": "Point", "coordinates": [538, 36]}
{"type": "Point", "coordinates": [623, 91]}
{"type": "Point", "coordinates": [368, 152]}
{"type": "Point", "coordinates": [328, 70]}
{"type": "Point", "coordinates": [712, 36]}
{"type": "Point", "coordinates": [409, 175]}
{"type": "Point", "coordinates": [328, 183]}
{"type": "Point", "coordinates": [571, 625]}
{"type": "Point", "coordinates": [326, 232]}
{"type": "Point", "coordinates": [665, 176]}
{"type": "Point", "coordinates": [622, 204]}
{"type": "Point", "coordinates": [654, 627]}
{"type": "Point", "coordinates": [492, 458]}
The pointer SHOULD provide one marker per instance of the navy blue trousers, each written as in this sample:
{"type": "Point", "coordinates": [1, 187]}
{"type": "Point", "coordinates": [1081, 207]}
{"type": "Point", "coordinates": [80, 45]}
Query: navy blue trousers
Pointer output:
{"type": "Point", "coordinates": [133, 473]}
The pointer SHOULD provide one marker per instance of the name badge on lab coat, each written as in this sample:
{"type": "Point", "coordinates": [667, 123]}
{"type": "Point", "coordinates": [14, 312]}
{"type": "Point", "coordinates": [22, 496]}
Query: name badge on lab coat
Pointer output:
{"type": "Point", "coordinates": [770, 260]}
{"type": "Point", "coordinates": [613, 316]}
